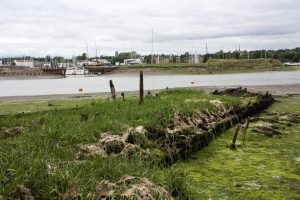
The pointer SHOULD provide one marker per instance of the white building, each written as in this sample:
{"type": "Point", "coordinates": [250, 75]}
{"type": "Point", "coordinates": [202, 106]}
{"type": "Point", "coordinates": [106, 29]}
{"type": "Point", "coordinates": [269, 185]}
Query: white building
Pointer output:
{"type": "Point", "coordinates": [64, 65]}
{"type": "Point", "coordinates": [1, 64]}
{"type": "Point", "coordinates": [132, 62]}
{"type": "Point", "coordinates": [25, 63]}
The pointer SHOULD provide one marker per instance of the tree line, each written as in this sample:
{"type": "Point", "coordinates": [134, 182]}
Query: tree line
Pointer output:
{"type": "Point", "coordinates": [284, 55]}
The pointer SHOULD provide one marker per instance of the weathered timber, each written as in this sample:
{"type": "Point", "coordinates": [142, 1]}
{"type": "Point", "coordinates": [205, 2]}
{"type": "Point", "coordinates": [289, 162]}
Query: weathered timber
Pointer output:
{"type": "Point", "coordinates": [191, 133]}
{"type": "Point", "coordinates": [112, 89]}
{"type": "Point", "coordinates": [141, 88]}
{"type": "Point", "coordinates": [236, 132]}
{"type": "Point", "coordinates": [100, 69]}
{"type": "Point", "coordinates": [245, 127]}
{"type": "Point", "coordinates": [195, 132]}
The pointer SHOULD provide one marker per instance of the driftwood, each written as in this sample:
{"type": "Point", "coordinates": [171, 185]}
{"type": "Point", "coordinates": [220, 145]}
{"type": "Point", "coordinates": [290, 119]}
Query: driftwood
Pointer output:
{"type": "Point", "coordinates": [112, 89]}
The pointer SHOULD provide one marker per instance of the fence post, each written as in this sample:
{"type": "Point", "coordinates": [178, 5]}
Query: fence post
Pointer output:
{"type": "Point", "coordinates": [141, 88]}
{"type": "Point", "coordinates": [112, 89]}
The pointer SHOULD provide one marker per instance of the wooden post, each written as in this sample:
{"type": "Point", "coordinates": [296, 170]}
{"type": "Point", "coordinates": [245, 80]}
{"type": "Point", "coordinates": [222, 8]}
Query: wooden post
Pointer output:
{"type": "Point", "coordinates": [141, 88]}
{"type": "Point", "coordinates": [246, 125]}
{"type": "Point", "coordinates": [232, 146]}
{"type": "Point", "coordinates": [112, 89]}
{"type": "Point", "coordinates": [242, 127]}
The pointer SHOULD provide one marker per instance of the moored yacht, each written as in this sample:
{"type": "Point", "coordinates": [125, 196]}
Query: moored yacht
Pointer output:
{"type": "Point", "coordinates": [76, 71]}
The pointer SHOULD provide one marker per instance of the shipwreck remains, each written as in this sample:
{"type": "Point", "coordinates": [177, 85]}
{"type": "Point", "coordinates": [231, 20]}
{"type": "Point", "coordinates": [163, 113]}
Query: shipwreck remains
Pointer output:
{"type": "Point", "coordinates": [133, 141]}
{"type": "Point", "coordinates": [187, 135]}
{"type": "Point", "coordinates": [271, 124]}
{"type": "Point", "coordinates": [192, 133]}
{"type": "Point", "coordinates": [240, 127]}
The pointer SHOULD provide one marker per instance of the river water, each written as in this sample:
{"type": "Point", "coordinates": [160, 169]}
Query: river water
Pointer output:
{"type": "Point", "coordinates": [71, 85]}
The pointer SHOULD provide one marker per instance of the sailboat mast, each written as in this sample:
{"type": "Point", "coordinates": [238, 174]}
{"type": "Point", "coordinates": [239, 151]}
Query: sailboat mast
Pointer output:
{"type": "Point", "coordinates": [152, 47]}
{"type": "Point", "coordinates": [96, 51]}
{"type": "Point", "coordinates": [87, 51]}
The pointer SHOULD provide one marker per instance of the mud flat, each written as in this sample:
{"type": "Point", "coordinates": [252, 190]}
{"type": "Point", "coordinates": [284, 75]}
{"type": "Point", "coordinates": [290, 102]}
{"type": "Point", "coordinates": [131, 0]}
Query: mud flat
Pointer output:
{"type": "Point", "coordinates": [211, 67]}
{"type": "Point", "coordinates": [289, 89]}
{"type": "Point", "coordinates": [31, 77]}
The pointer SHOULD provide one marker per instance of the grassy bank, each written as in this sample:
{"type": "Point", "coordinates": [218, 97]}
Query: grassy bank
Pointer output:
{"type": "Point", "coordinates": [211, 67]}
{"type": "Point", "coordinates": [43, 156]}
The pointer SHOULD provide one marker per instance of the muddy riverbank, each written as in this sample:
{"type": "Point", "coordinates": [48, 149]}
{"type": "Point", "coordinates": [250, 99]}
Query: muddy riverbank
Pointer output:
{"type": "Point", "coordinates": [289, 89]}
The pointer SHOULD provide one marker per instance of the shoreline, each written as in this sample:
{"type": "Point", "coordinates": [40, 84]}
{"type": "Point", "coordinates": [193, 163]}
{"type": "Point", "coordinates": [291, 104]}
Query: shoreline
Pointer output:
{"type": "Point", "coordinates": [279, 90]}
{"type": "Point", "coordinates": [9, 78]}
{"type": "Point", "coordinates": [161, 71]}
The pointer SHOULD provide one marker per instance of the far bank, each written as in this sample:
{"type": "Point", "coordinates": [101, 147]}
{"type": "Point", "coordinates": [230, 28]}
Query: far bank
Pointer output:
{"type": "Point", "coordinates": [214, 66]}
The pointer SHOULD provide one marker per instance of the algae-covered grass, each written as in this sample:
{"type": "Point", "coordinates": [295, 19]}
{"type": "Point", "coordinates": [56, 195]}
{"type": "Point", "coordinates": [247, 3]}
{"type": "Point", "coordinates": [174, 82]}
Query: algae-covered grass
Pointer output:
{"type": "Point", "coordinates": [44, 156]}
{"type": "Point", "coordinates": [265, 168]}
{"type": "Point", "coordinates": [28, 107]}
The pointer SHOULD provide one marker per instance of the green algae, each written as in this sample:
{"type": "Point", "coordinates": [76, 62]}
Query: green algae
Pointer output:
{"type": "Point", "coordinates": [262, 169]}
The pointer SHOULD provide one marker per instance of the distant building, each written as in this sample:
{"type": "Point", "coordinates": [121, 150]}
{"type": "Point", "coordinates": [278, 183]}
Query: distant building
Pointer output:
{"type": "Point", "coordinates": [132, 62]}
{"type": "Point", "coordinates": [63, 65]}
{"type": "Point", "coordinates": [25, 63]}
{"type": "Point", "coordinates": [1, 64]}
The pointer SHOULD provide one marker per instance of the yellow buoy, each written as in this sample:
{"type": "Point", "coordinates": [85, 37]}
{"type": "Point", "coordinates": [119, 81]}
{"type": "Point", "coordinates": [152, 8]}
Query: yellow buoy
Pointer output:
{"type": "Point", "coordinates": [80, 89]}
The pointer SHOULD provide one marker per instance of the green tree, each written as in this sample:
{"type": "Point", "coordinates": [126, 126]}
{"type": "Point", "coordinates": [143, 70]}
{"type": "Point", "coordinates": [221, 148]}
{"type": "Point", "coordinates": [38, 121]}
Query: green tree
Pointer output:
{"type": "Point", "coordinates": [48, 58]}
{"type": "Point", "coordinates": [82, 57]}
{"type": "Point", "coordinates": [236, 55]}
{"type": "Point", "coordinates": [205, 58]}
{"type": "Point", "coordinates": [185, 57]}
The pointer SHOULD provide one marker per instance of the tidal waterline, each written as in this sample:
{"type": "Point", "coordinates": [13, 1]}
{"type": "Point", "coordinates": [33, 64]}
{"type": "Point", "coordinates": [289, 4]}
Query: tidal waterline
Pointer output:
{"type": "Point", "coordinates": [71, 84]}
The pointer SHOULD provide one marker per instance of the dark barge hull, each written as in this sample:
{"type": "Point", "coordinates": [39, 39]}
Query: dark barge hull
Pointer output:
{"type": "Point", "coordinates": [99, 69]}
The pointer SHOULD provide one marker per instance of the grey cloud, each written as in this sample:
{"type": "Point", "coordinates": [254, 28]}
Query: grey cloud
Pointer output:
{"type": "Point", "coordinates": [61, 27]}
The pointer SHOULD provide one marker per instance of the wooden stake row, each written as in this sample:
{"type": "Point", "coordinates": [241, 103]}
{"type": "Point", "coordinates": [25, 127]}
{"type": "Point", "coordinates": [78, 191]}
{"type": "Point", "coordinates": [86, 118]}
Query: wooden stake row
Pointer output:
{"type": "Point", "coordinates": [113, 90]}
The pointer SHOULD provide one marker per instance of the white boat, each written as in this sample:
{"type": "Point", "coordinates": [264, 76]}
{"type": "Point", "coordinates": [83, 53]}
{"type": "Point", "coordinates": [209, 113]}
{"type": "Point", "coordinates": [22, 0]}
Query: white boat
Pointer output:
{"type": "Point", "coordinates": [291, 64]}
{"type": "Point", "coordinates": [76, 71]}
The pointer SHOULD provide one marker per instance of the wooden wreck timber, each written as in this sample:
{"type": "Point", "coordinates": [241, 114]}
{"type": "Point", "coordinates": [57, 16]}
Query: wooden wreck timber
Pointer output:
{"type": "Point", "coordinates": [13, 71]}
{"type": "Point", "coordinates": [193, 133]}
{"type": "Point", "coordinates": [188, 134]}
{"type": "Point", "coordinates": [54, 71]}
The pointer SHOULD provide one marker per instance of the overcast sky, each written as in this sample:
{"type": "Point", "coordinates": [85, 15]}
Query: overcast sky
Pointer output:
{"type": "Point", "coordinates": [61, 27]}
